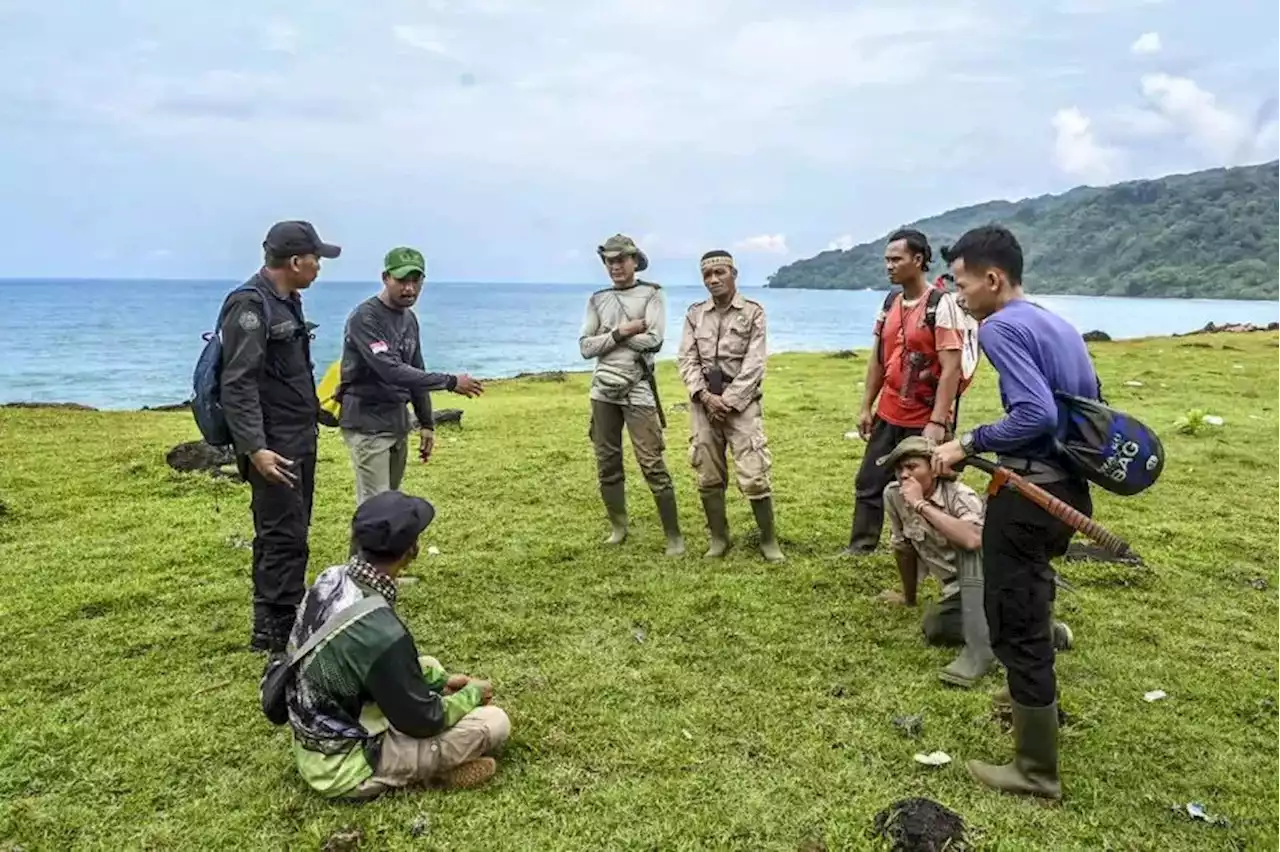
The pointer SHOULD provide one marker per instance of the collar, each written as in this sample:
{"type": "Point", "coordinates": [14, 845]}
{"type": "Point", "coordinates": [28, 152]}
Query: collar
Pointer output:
{"type": "Point", "coordinates": [268, 289]}
{"type": "Point", "coordinates": [365, 574]}
{"type": "Point", "coordinates": [737, 302]}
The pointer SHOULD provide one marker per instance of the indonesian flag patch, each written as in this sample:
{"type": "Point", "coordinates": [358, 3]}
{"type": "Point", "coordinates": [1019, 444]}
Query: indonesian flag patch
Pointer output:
{"type": "Point", "coordinates": [378, 347]}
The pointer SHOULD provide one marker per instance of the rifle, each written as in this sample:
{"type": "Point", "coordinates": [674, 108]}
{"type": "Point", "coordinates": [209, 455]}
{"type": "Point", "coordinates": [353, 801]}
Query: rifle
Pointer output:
{"type": "Point", "coordinates": [1002, 477]}
{"type": "Point", "coordinates": [653, 386]}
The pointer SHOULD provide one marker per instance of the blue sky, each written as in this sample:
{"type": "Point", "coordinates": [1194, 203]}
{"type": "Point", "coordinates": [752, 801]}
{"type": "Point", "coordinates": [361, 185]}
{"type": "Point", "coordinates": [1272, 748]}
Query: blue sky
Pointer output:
{"type": "Point", "coordinates": [507, 139]}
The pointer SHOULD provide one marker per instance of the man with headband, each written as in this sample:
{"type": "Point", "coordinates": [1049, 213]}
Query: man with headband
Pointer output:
{"type": "Point", "coordinates": [722, 362]}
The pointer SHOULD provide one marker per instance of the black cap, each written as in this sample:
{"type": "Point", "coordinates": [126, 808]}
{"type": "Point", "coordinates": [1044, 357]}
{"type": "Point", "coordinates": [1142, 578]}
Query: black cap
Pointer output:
{"type": "Point", "coordinates": [388, 523]}
{"type": "Point", "coordinates": [286, 239]}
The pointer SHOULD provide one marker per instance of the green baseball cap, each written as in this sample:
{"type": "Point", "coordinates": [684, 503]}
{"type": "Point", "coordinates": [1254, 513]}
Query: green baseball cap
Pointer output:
{"type": "Point", "coordinates": [403, 260]}
{"type": "Point", "coordinates": [916, 446]}
{"type": "Point", "coordinates": [620, 244]}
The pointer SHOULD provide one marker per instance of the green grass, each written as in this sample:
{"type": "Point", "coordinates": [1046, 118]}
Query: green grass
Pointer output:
{"type": "Point", "coordinates": [756, 712]}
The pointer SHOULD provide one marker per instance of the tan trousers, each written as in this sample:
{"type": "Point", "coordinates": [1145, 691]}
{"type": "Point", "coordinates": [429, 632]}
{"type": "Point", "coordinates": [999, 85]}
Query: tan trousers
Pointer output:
{"type": "Point", "coordinates": [743, 434]}
{"type": "Point", "coordinates": [378, 461]}
{"type": "Point", "coordinates": [408, 761]}
{"type": "Point", "coordinates": [607, 422]}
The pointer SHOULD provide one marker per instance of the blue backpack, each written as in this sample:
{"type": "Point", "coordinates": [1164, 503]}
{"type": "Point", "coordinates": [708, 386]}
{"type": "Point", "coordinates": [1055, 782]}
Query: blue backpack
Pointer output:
{"type": "Point", "coordinates": [1112, 449]}
{"type": "Point", "coordinates": [206, 399]}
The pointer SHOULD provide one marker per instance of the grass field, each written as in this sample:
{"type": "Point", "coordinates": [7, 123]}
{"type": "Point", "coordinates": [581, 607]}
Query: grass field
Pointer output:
{"type": "Point", "coordinates": [655, 703]}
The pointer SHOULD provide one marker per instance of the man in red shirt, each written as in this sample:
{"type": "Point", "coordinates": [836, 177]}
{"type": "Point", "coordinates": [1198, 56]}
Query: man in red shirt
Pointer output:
{"type": "Point", "coordinates": [912, 377]}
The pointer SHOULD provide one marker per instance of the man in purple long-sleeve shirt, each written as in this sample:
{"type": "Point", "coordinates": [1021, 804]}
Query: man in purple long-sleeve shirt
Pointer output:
{"type": "Point", "coordinates": [1036, 354]}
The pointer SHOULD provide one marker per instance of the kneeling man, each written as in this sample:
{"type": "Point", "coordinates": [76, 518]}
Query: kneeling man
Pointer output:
{"type": "Point", "coordinates": [935, 526]}
{"type": "Point", "coordinates": [368, 713]}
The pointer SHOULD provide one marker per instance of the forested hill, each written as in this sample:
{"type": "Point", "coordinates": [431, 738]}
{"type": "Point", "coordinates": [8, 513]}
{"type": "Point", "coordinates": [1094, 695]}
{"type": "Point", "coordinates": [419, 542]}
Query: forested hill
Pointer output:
{"type": "Point", "coordinates": [1210, 234]}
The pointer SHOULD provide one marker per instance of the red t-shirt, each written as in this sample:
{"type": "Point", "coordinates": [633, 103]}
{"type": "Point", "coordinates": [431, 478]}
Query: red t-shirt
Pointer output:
{"type": "Point", "coordinates": [910, 351]}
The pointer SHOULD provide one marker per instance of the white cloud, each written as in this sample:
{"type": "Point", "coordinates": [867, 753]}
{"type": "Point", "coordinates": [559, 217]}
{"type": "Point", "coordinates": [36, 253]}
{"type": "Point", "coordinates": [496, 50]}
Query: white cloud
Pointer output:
{"type": "Point", "coordinates": [1210, 127]}
{"type": "Point", "coordinates": [422, 38]}
{"type": "Point", "coordinates": [1077, 152]}
{"type": "Point", "coordinates": [764, 244]}
{"type": "Point", "coordinates": [280, 37]}
{"type": "Point", "coordinates": [841, 243]}
{"type": "Point", "coordinates": [1146, 44]}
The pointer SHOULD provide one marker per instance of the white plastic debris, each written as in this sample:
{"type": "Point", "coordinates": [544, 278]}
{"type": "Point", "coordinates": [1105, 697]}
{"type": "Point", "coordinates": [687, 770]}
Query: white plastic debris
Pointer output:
{"type": "Point", "coordinates": [1154, 695]}
{"type": "Point", "coordinates": [433, 551]}
{"type": "Point", "coordinates": [933, 758]}
{"type": "Point", "coordinates": [687, 735]}
{"type": "Point", "coordinates": [1133, 384]}
{"type": "Point", "coordinates": [852, 436]}
{"type": "Point", "coordinates": [1213, 420]}
{"type": "Point", "coordinates": [1237, 366]}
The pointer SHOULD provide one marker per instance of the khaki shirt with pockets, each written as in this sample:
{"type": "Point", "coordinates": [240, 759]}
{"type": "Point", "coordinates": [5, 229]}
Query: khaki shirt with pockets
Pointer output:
{"type": "Point", "coordinates": [936, 555]}
{"type": "Point", "coordinates": [733, 338]}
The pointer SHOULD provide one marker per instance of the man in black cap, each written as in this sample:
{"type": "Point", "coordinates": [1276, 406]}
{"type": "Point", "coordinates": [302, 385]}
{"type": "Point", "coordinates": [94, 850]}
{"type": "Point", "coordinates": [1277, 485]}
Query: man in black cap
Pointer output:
{"type": "Point", "coordinates": [268, 395]}
{"type": "Point", "coordinates": [368, 713]}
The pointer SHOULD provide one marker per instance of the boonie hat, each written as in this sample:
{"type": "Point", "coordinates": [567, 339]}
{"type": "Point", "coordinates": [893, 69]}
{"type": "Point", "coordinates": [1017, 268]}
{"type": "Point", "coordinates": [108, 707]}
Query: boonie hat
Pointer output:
{"type": "Point", "coordinates": [620, 244]}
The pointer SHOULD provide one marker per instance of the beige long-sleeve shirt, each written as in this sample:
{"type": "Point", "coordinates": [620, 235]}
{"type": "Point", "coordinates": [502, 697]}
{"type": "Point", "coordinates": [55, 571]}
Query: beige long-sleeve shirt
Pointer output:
{"type": "Point", "coordinates": [619, 376]}
{"type": "Point", "coordinates": [734, 339]}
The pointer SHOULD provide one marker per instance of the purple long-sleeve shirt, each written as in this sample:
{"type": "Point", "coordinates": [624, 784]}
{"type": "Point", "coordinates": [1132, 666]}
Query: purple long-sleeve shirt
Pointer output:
{"type": "Point", "coordinates": [1036, 353]}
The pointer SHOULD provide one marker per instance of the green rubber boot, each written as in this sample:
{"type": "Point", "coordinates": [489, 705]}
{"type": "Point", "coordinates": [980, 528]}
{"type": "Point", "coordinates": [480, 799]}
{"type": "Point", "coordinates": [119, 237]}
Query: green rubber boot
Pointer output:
{"type": "Point", "coordinates": [763, 510]}
{"type": "Point", "coordinates": [670, 515]}
{"type": "Point", "coordinates": [1034, 768]}
{"type": "Point", "coordinates": [615, 503]}
{"type": "Point", "coordinates": [717, 522]}
{"type": "Point", "coordinates": [976, 659]}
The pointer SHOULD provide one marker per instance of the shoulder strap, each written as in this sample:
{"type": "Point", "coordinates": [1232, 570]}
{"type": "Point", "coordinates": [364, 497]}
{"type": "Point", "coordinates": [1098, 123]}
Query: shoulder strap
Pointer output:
{"type": "Point", "coordinates": [888, 300]}
{"type": "Point", "coordinates": [931, 306]}
{"type": "Point", "coordinates": [247, 288]}
{"type": "Point", "coordinates": [338, 622]}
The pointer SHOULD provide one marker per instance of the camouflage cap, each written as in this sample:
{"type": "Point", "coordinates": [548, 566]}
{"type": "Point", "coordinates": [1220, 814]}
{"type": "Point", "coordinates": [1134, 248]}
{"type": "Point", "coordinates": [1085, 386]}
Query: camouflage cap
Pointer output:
{"type": "Point", "coordinates": [402, 261]}
{"type": "Point", "coordinates": [620, 244]}
{"type": "Point", "coordinates": [916, 446]}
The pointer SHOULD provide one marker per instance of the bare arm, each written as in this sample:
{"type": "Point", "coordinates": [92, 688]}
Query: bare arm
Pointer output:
{"type": "Point", "coordinates": [875, 376]}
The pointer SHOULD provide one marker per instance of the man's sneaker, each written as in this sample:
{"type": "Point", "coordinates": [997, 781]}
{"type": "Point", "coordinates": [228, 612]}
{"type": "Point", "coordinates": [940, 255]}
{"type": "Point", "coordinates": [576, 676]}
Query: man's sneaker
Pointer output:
{"type": "Point", "coordinates": [473, 773]}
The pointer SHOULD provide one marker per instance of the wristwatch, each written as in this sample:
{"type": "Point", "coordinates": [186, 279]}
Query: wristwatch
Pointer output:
{"type": "Point", "coordinates": [966, 443]}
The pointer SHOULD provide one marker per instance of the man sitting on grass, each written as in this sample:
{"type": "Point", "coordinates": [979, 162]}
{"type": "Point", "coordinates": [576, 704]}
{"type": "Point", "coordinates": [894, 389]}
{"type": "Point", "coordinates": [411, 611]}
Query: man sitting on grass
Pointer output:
{"type": "Point", "coordinates": [366, 718]}
{"type": "Point", "coordinates": [935, 527]}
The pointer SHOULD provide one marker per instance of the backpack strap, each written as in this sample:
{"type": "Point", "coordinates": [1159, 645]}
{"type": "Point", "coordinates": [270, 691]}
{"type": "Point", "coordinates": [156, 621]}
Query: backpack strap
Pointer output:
{"type": "Point", "coordinates": [884, 309]}
{"type": "Point", "coordinates": [931, 306]}
{"type": "Point", "coordinates": [246, 288]}
{"type": "Point", "coordinates": [343, 619]}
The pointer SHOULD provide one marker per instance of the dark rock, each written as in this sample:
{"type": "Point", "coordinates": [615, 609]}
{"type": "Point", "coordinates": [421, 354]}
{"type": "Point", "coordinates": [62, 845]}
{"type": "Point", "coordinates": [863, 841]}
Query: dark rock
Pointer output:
{"type": "Point", "coordinates": [197, 455]}
{"type": "Point", "coordinates": [444, 415]}
{"type": "Point", "coordinates": [347, 840]}
{"type": "Point", "coordinates": [68, 406]}
{"type": "Point", "coordinates": [1273, 326]}
{"type": "Point", "coordinates": [1096, 336]}
{"type": "Point", "coordinates": [920, 825]}
{"type": "Point", "coordinates": [1231, 327]}
{"type": "Point", "coordinates": [173, 406]}
{"type": "Point", "coordinates": [844, 354]}
{"type": "Point", "coordinates": [1083, 551]}
{"type": "Point", "coordinates": [550, 376]}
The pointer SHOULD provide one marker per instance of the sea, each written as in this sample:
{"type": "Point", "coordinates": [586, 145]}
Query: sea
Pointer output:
{"type": "Point", "coordinates": [124, 344]}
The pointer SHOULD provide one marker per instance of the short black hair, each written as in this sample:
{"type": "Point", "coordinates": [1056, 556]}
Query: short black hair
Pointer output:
{"type": "Point", "coordinates": [717, 253]}
{"type": "Point", "coordinates": [917, 243]}
{"type": "Point", "coordinates": [988, 246]}
{"type": "Point", "coordinates": [275, 261]}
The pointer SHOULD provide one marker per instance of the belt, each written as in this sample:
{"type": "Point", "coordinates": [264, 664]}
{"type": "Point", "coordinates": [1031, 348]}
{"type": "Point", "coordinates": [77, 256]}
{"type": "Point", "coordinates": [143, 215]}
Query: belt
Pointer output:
{"type": "Point", "coordinates": [1033, 470]}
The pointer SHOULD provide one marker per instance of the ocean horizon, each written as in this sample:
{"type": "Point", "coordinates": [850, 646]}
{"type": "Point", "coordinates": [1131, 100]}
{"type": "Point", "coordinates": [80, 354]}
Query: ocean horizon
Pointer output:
{"type": "Point", "coordinates": [120, 344]}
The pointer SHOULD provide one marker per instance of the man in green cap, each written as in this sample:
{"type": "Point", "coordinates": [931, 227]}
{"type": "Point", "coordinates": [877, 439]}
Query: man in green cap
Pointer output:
{"type": "Point", "coordinates": [382, 371]}
{"type": "Point", "coordinates": [623, 331]}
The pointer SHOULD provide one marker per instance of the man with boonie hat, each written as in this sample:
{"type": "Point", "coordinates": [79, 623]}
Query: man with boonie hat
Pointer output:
{"type": "Point", "coordinates": [368, 713]}
{"type": "Point", "coordinates": [722, 363]}
{"type": "Point", "coordinates": [935, 527]}
{"type": "Point", "coordinates": [383, 372]}
{"type": "Point", "coordinates": [623, 331]}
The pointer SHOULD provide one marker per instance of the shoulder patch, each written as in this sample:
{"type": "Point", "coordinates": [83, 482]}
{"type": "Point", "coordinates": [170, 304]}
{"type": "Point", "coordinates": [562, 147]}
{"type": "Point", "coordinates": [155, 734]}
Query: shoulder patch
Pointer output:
{"type": "Point", "coordinates": [248, 320]}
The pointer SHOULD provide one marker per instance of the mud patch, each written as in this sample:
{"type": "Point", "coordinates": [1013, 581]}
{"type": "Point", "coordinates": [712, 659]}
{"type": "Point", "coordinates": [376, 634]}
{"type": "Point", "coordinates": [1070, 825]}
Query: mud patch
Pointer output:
{"type": "Point", "coordinates": [920, 825]}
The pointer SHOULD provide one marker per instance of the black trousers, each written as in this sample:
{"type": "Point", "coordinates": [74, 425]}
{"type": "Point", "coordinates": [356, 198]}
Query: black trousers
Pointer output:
{"type": "Point", "coordinates": [281, 521]}
{"type": "Point", "coordinates": [869, 485]}
{"type": "Point", "coordinates": [1018, 540]}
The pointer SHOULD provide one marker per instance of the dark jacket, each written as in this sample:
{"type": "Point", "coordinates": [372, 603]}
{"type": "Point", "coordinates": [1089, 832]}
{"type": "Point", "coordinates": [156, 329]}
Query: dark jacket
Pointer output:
{"type": "Point", "coordinates": [383, 371]}
{"type": "Point", "coordinates": [268, 386]}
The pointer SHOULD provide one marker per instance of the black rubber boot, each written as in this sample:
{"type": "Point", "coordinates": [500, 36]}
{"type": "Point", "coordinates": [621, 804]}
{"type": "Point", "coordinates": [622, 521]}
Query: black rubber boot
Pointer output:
{"type": "Point", "coordinates": [1034, 768]}
{"type": "Point", "coordinates": [669, 512]}
{"type": "Point", "coordinates": [976, 659]}
{"type": "Point", "coordinates": [763, 510]}
{"type": "Point", "coordinates": [717, 522]}
{"type": "Point", "coordinates": [615, 503]}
